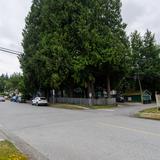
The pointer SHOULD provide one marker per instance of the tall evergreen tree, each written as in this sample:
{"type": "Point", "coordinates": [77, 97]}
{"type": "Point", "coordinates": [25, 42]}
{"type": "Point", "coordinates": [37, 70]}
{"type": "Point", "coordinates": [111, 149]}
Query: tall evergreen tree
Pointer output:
{"type": "Point", "coordinates": [145, 59]}
{"type": "Point", "coordinates": [31, 39]}
{"type": "Point", "coordinates": [73, 40]}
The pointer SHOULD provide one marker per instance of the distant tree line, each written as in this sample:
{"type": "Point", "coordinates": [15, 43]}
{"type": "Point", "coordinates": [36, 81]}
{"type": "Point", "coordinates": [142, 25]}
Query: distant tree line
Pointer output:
{"type": "Point", "coordinates": [81, 46]}
{"type": "Point", "coordinates": [8, 84]}
{"type": "Point", "coordinates": [144, 63]}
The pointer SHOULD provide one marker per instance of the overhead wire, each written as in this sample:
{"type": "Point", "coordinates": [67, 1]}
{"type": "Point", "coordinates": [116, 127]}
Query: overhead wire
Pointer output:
{"type": "Point", "coordinates": [18, 53]}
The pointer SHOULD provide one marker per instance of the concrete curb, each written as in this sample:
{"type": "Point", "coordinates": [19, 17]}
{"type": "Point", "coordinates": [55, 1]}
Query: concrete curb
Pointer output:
{"type": "Point", "coordinates": [25, 148]}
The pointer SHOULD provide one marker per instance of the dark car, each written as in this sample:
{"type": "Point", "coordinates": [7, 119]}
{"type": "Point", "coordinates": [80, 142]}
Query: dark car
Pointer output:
{"type": "Point", "coordinates": [14, 99]}
{"type": "Point", "coordinates": [119, 98]}
{"type": "Point", "coordinates": [21, 99]}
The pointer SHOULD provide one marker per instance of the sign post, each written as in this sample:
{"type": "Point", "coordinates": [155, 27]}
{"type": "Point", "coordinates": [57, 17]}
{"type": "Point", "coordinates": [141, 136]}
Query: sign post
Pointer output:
{"type": "Point", "coordinates": [157, 100]}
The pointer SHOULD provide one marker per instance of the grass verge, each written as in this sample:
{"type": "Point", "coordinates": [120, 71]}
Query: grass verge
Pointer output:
{"type": "Point", "coordinates": [9, 152]}
{"type": "Point", "coordinates": [68, 106]}
{"type": "Point", "coordinates": [78, 107]}
{"type": "Point", "coordinates": [103, 107]}
{"type": "Point", "coordinates": [151, 113]}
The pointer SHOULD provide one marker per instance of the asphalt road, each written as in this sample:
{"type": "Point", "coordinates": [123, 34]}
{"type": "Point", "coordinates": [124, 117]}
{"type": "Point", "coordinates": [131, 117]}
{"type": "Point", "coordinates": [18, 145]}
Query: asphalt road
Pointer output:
{"type": "Point", "coordinates": [84, 135]}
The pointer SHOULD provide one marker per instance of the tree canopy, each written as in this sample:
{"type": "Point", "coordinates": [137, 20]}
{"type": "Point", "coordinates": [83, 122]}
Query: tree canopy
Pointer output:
{"type": "Point", "coordinates": [145, 59]}
{"type": "Point", "coordinates": [72, 41]}
{"type": "Point", "coordinates": [12, 83]}
{"type": "Point", "coordinates": [83, 44]}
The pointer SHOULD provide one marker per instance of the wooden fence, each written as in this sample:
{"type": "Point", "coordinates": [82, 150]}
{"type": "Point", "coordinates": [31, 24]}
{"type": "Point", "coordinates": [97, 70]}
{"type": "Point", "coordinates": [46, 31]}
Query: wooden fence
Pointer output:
{"type": "Point", "coordinates": [87, 101]}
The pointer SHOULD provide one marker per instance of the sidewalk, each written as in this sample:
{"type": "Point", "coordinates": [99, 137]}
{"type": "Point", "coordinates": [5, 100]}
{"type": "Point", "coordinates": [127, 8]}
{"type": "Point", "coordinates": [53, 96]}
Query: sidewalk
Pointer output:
{"type": "Point", "coordinates": [2, 136]}
{"type": "Point", "coordinates": [25, 148]}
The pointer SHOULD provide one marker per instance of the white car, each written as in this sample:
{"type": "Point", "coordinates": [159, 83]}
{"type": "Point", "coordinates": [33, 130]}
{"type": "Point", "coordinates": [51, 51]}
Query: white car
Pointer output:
{"type": "Point", "coordinates": [40, 101]}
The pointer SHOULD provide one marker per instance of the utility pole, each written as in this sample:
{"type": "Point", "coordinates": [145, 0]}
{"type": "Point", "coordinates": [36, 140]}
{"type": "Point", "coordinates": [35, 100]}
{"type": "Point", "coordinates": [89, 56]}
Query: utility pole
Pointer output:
{"type": "Point", "coordinates": [139, 82]}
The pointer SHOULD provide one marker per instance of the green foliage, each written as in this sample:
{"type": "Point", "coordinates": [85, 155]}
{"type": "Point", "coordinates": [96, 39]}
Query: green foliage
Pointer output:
{"type": "Point", "coordinates": [145, 60]}
{"type": "Point", "coordinates": [11, 83]}
{"type": "Point", "coordinates": [70, 40]}
{"type": "Point", "coordinates": [3, 80]}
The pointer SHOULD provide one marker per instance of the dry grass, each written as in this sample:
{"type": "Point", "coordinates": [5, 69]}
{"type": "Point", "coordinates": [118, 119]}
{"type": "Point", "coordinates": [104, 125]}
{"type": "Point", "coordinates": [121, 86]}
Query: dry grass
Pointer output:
{"type": "Point", "coordinates": [9, 152]}
{"type": "Point", "coordinates": [68, 106]}
{"type": "Point", "coordinates": [151, 113]}
{"type": "Point", "coordinates": [151, 110]}
{"type": "Point", "coordinates": [104, 107]}
{"type": "Point", "coordinates": [83, 107]}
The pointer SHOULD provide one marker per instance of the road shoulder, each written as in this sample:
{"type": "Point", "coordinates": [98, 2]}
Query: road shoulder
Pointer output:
{"type": "Point", "coordinates": [20, 144]}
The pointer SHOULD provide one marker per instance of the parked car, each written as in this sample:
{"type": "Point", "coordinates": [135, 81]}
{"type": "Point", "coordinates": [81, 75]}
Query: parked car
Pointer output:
{"type": "Point", "coordinates": [2, 99]}
{"type": "Point", "coordinates": [21, 99]}
{"type": "Point", "coordinates": [119, 98]}
{"type": "Point", "coordinates": [39, 101]}
{"type": "Point", "coordinates": [14, 99]}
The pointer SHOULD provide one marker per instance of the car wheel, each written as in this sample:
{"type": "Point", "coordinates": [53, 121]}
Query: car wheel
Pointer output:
{"type": "Point", "coordinates": [37, 104]}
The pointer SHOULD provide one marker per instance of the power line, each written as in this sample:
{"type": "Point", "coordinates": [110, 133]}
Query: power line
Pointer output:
{"type": "Point", "coordinates": [11, 50]}
{"type": "Point", "coordinates": [18, 53]}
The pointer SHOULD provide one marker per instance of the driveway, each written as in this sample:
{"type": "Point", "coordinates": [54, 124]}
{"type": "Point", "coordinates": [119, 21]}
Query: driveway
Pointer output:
{"type": "Point", "coordinates": [84, 135]}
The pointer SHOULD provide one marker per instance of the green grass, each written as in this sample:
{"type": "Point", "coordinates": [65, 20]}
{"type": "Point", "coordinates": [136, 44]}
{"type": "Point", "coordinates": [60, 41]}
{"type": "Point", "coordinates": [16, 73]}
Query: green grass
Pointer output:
{"type": "Point", "coordinates": [81, 107]}
{"type": "Point", "coordinates": [151, 113]}
{"type": "Point", "coordinates": [151, 110]}
{"type": "Point", "coordinates": [9, 152]}
{"type": "Point", "coordinates": [103, 107]}
{"type": "Point", "coordinates": [68, 106]}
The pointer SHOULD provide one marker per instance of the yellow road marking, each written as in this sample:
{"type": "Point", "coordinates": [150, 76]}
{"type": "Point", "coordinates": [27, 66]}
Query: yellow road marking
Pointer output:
{"type": "Point", "coordinates": [131, 129]}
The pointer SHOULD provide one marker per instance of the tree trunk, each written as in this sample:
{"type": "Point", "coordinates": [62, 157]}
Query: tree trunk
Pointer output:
{"type": "Point", "coordinates": [62, 93]}
{"type": "Point", "coordinates": [91, 92]}
{"type": "Point", "coordinates": [92, 88]}
{"type": "Point", "coordinates": [71, 92]}
{"type": "Point", "coordinates": [47, 93]}
{"type": "Point", "coordinates": [108, 85]}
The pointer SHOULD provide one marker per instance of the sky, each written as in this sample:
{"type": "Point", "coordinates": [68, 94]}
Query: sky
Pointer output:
{"type": "Point", "coordinates": [137, 14]}
{"type": "Point", "coordinates": [12, 22]}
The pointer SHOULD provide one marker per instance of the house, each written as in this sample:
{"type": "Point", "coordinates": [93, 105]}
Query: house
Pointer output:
{"type": "Point", "coordinates": [137, 97]}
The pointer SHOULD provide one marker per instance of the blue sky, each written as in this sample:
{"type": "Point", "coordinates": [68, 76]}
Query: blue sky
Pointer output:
{"type": "Point", "coordinates": [138, 14]}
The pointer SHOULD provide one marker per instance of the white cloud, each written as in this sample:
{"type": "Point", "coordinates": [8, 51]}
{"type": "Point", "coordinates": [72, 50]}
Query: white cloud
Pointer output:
{"type": "Point", "coordinates": [142, 15]}
{"type": "Point", "coordinates": [12, 15]}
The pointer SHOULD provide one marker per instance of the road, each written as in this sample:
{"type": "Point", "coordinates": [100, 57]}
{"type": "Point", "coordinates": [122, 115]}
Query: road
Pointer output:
{"type": "Point", "coordinates": [84, 135]}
